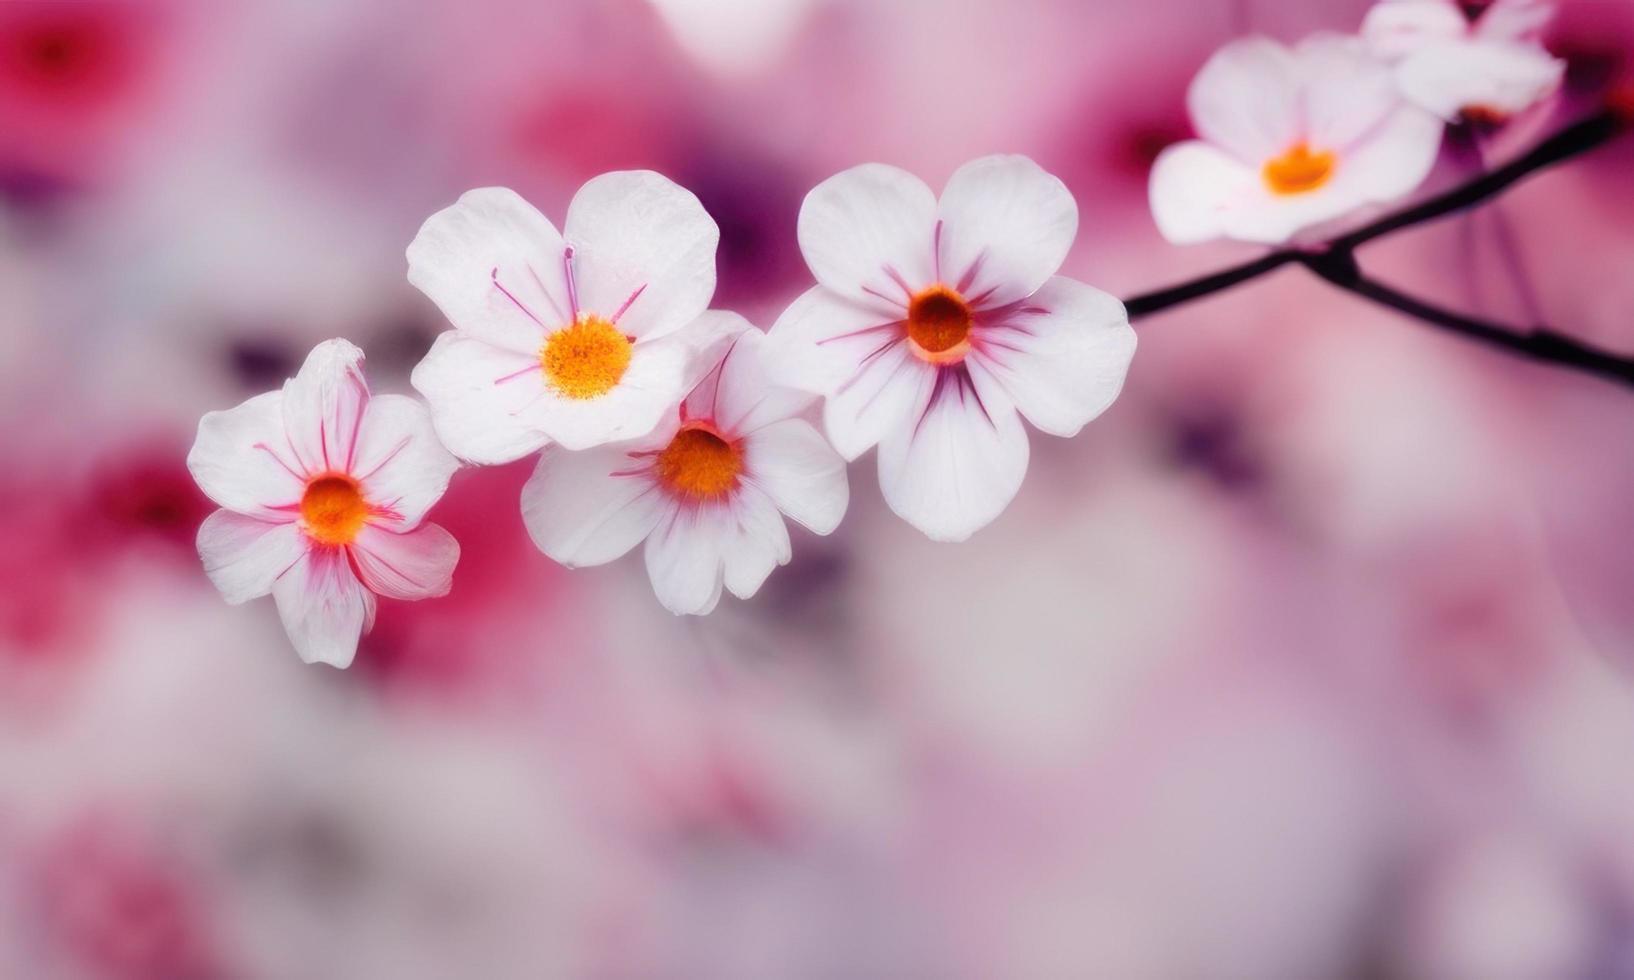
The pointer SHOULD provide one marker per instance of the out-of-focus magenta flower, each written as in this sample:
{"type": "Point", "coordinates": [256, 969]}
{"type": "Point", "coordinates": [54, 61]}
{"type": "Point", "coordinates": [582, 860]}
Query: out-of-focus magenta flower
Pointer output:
{"type": "Point", "coordinates": [1290, 138]}
{"type": "Point", "coordinates": [323, 490]}
{"type": "Point", "coordinates": [578, 338]}
{"type": "Point", "coordinates": [936, 325]}
{"type": "Point", "coordinates": [1485, 62]}
{"type": "Point", "coordinates": [707, 490]}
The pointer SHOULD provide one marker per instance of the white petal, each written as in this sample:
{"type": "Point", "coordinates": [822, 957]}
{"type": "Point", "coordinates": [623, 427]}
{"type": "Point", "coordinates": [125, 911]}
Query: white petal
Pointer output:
{"type": "Point", "coordinates": [756, 542]}
{"type": "Point", "coordinates": [1347, 91]}
{"type": "Point", "coordinates": [1507, 77]}
{"type": "Point", "coordinates": [580, 512]}
{"type": "Point", "coordinates": [324, 405]}
{"type": "Point", "coordinates": [1516, 20]}
{"type": "Point", "coordinates": [683, 557]}
{"type": "Point", "coordinates": [740, 394]}
{"type": "Point", "coordinates": [417, 564]}
{"type": "Point", "coordinates": [822, 339]}
{"type": "Point", "coordinates": [707, 339]}
{"type": "Point", "coordinates": [643, 251]}
{"type": "Point", "coordinates": [886, 394]}
{"type": "Point", "coordinates": [244, 556]}
{"type": "Point", "coordinates": [401, 465]}
{"type": "Point", "coordinates": [1062, 357]}
{"type": "Point", "coordinates": [494, 265]}
{"type": "Point", "coordinates": [867, 231]}
{"type": "Point", "coordinates": [652, 387]}
{"type": "Point", "coordinates": [483, 399]}
{"type": "Point", "coordinates": [955, 468]}
{"type": "Point", "coordinates": [325, 609]}
{"type": "Point", "coordinates": [1245, 99]}
{"type": "Point", "coordinates": [1390, 163]}
{"type": "Point", "coordinates": [242, 460]}
{"type": "Point", "coordinates": [1194, 188]}
{"type": "Point", "coordinates": [1396, 28]}
{"type": "Point", "coordinates": [1006, 226]}
{"type": "Point", "coordinates": [801, 473]}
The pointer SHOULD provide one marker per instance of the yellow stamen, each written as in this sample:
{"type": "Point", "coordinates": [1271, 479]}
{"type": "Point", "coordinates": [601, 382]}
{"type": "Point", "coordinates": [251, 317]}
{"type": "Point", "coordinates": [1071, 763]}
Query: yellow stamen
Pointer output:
{"type": "Point", "coordinates": [333, 509]}
{"type": "Point", "coordinates": [587, 359]}
{"type": "Point", "coordinates": [700, 465]}
{"type": "Point", "coordinates": [939, 324]}
{"type": "Point", "coordinates": [1299, 171]}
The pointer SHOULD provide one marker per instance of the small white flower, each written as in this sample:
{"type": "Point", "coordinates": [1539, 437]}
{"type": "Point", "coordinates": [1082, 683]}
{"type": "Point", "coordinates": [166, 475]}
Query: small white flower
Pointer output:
{"type": "Point", "coordinates": [1485, 62]}
{"type": "Point", "coordinates": [1290, 139]}
{"type": "Point", "coordinates": [936, 321]}
{"type": "Point", "coordinates": [706, 490]}
{"type": "Point", "coordinates": [323, 490]}
{"type": "Point", "coordinates": [578, 339]}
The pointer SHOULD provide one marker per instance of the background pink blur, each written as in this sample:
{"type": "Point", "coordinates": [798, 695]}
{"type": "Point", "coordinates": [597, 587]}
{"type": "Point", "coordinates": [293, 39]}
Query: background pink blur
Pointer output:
{"type": "Point", "coordinates": [1310, 659]}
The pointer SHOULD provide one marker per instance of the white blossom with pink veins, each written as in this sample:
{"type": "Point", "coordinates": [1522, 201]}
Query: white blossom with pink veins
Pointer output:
{"type": "Point", "coordinates": [707, 490]}
{"type": "Point", "coordinates": [936, 325]}
{"type": "Point", "coordinates": [1484, 61]}
{"type": "Point", "coordinates": [1290, 138]}
{"type": "Point", "coordinates": [579, 337]}
{"type": "Point", "coordinates": [324, 491]}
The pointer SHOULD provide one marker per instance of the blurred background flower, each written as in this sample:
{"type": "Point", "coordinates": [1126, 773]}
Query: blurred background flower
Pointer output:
{"type": "Point", "coordinates": [1310, 658]}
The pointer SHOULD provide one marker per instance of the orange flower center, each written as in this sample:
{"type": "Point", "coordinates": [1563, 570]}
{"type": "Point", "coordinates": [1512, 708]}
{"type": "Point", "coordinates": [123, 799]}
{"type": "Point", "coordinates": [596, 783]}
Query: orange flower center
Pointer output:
{"type": "Point", "coordinates": [939, 324]}
{"type": "Point", "coordinates": [1299, 171]}
{"type": "Point", "coordinates": [333, 509]}
{"type": "Point", "coordinates": [700, 465]}
{"type": "Point", "coordinates": [586, 359]}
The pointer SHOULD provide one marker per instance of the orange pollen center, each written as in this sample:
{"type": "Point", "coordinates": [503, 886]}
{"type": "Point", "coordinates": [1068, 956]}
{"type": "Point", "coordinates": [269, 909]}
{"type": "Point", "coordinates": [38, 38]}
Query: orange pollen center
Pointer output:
{"type": "Point", "coordinates": [698, 464]}
{"type": "Point", "coordinates": [939, 324]}
{"type": "Point", "coordinates": [1299, 170]}
{"type": "Point", "coordinates": [333, 509]}
{"type": "Point", "coordinates": [587, 359]}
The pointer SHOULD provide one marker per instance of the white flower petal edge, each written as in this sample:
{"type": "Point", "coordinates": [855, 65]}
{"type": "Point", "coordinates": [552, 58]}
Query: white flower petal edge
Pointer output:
{"type": "Point", "coordinates": [707, 491]}
{"type": "Point", "coordinates": [322, 483]}
{"type": "Point", "coordinates": [1490, 63]}
{"type": "Point", "coordinates": [939, 371]}
{"type": "Point", "coordinates": [1290, 139]}
{"type": "Point", "coordinates": [580, 338]}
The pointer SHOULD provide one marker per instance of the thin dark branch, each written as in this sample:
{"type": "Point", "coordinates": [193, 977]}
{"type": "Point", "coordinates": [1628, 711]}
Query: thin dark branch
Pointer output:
{"type": "Point", "coordinates": [1224, 279]}
{"type": "Point", "coordinates": [1539, 344]}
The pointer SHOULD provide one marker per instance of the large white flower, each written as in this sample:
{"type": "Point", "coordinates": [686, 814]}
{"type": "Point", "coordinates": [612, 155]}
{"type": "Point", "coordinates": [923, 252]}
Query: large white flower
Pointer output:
{"type": "Point", "coordinates": [578, 338]}
{"type": "Point", "coordinates": [323, 490]}
{"type": "Point", "coordinates": [934, 322]}
{"type": "Point", "coordinates": [1290, 138]}
{"type": "Point", "coordinates": [707, 490]}
{"type": "Point", "coordinates": [1482, 61]}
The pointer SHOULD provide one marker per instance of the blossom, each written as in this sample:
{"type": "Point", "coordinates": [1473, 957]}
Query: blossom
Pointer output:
{"type": "Point", "coordinates": [579, 338]}
{"type": "Point", "coordinates": [707, 490]}
{"type": "Point", "coordinates": [1482, 61]}
{"type": "Point", "coordinates": [1290, 138]}
{"type": "Point", "coordinates": [934, 323]}
{"type": "Point", "coordinates": [323, 489]}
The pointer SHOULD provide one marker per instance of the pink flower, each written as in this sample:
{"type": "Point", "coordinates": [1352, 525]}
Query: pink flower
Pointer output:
{"type": "Point", "coordinates": [1485, 61]}
{"type": "Point", "coordinates": [1290, 138]}
{"type": "Point", "coordinates": [707, 490]}
{"type": "Point", "coordinates": [937, 325]}
{"type": "Point", "coordinates": [323, 490]}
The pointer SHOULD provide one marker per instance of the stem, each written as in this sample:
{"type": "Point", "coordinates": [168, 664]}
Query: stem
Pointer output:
{"type": "Point", "coordinates": [1196, 288]}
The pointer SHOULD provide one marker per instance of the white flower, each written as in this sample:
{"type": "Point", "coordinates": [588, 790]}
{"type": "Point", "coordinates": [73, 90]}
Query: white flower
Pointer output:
{"type": "Point", "coordinates": [579, 339]}
{"type": "Point", "coordinates": [1486, 63]}
{"type": "Point", "coordinates": [704, 490]}
{"type": "Point", "coordinates": [323, 490]}
{"type": "Point", "coordinates": [1290, 138]}
{"type": "Point", "coordinates": [935, 322]}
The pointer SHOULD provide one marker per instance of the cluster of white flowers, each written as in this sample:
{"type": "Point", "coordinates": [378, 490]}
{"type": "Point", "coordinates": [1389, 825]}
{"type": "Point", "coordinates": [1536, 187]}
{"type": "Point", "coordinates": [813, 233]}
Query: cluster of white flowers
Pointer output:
{"type": "Point", "coordinates": [936, 325]}
{"type": "Point", "coordinates": [1294, 138]}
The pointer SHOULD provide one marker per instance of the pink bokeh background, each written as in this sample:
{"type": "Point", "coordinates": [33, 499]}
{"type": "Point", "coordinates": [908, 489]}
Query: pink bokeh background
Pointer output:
{"type": "Point", "coordinates": [1311, 658]}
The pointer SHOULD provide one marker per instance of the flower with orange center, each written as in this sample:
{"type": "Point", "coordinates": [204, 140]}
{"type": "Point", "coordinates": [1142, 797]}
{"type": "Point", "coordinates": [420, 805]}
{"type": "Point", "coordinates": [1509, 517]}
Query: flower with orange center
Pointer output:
{"type": "Point", "coordinates": [707, 491]}
{"type": "Point", "coordinates": [580, 337]}
{"type": "Point", "coordinates": [587, 359]}
{"type": "Point", "coordinates": [939, 324]}
{"type": "Point", "coordinates": [323, 490]}
{"type": "Point", "coordinates": [1299, 171]}
{"type": "Point", "coordinates": [699, 464]}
